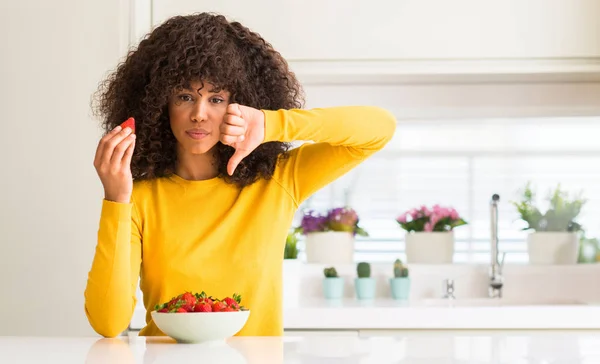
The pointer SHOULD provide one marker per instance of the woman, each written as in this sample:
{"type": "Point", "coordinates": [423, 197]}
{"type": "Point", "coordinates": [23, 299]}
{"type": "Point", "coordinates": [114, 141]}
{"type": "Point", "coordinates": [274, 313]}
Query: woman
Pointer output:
{"type": "Point", "coordinates": [202, 195]}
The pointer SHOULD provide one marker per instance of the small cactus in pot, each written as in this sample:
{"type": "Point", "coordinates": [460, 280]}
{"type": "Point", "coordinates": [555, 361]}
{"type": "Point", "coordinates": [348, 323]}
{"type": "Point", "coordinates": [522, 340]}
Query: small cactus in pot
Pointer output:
{"type": "Point", "coordinates": [400, 271]}
{"type": "Point", "coordinates": [333, 284]}
{"type": "Point", "coordinates": [330, 272]}
{"type": "Point", "coordinates": [364, 283]}
{"type": "Point", "coordinates": [400, 283]}
{"type": "Point", "coordinates": [363, 270]}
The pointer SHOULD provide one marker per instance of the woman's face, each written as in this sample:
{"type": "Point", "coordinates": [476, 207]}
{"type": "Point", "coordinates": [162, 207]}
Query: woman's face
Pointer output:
{"type": "Point", "coordinates": [196, 114]}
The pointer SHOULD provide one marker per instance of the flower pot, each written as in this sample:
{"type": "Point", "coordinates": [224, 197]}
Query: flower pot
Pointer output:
{"type": "Point", "coordinates": [330, 247]}
{"type": "Point", "coordinates": [547, 248]}
{"type": "Point", "coordinates": [400, 288]}
{"type": "Point", "coordinates": [291, 282]}
{"type": "Point", "coordinates": [430, 247]}
{"type": "Point", "coordinates": [365, 288]}
{"type": "Point", "coordinates": [333, 288]}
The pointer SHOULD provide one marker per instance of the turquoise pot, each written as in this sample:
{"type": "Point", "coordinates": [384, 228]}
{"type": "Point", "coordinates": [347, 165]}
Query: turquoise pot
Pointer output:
{"type": "Point", "coordinates": [400, 288]}
{"type": "Point", "coordinates": [333, 288]}
{"type": "Point", "coordinates": [365, 288]}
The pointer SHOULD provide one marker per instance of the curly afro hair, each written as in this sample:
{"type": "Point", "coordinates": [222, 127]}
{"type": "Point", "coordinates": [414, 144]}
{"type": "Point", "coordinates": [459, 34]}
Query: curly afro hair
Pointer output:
{"type": "Point", "coordinates": [199, 47]}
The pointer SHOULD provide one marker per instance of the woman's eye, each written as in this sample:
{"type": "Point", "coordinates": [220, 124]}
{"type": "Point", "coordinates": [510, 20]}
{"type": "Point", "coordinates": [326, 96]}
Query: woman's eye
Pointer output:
{"type": "Point", "coordinates": [217, 100]}
{"type": "Point", "coordinates": [185, 98]}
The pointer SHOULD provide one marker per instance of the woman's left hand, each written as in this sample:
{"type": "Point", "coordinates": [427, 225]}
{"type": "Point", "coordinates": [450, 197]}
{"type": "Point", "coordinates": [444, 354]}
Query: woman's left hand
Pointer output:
{"type": "Point", "coordinates": [243, 128]}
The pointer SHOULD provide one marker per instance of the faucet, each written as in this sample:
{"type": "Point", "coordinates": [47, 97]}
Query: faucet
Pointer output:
{"type": "Point", "coordinates": [448, 289]}
{"type": "Point", "coordinates": [496, 279]}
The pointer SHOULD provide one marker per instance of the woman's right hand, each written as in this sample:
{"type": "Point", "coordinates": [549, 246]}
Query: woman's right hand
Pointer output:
{"type": "Point", "coordinates": [113, 164]}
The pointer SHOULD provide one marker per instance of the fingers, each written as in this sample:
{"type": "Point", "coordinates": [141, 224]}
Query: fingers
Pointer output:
{"type": "Point", "coordinates": [112, 143]}
{"type": "Point", "coordinates": [129, 154]}
{"type": "Point", "coordinates": [232, 134]}
{"type": "Point", "coordinates": [234, 109]}
{"type": "Point", "coordinates": [102, 144]}
{"type": "Point", "coordinates": [121, 149]}
{"type": "Point", "coordinates": [232, 131]}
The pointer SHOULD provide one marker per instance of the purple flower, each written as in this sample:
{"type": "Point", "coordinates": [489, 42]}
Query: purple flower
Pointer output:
{"type": "Point", "coordinates": [313, 222]}
{"type": "Point", "coordinates": [344, 216]}
{"type": "Point", "coordinates": [337, 219]}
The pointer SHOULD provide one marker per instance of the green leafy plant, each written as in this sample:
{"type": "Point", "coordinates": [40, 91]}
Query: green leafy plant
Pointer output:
{"type": "Point", "coordinates": [400, 271]}
{"type": "Point", "coordinates": [330, 272]}
{"type": "Point", "coordinates": [291, 246]}
{"type": "Point", "coordinates": [559, 217]}
{"type": "Point", "coordinates": [589, 249]}
{"type": "Point", "coordinates": [363, 270]}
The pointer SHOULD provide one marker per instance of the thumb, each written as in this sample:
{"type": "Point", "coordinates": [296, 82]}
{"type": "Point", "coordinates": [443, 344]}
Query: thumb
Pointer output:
{"type": "Point", "coordinates": [235, 160]}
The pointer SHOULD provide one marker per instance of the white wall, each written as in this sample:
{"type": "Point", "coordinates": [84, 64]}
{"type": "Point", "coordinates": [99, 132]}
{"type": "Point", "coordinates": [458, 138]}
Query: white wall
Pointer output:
{"type": "Point", "coordinates": [413, 29]}
{"type": "Point", "coordinates": [54, 53]}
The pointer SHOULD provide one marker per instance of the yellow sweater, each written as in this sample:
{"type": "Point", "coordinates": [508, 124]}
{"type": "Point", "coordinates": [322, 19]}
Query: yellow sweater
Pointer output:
{"type": "Point", "coordinates": [178, 235]}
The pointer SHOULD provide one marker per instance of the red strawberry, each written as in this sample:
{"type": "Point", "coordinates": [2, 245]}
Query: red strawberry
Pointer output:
{"type": "Point", "coordinates": [181, 309]}
{"type": "Point", "coordinates": [202, 297]}
{"type": "Point", "coordinates": [231, 302]}
{"type": "Point", "coordinates": [218, 306]}
{"type": "Point", "coordinates": [189, 299]}
{"type": "Point", "coordinates": [228, 309]}
{"type": "Point", "coordinates": [172, 303]}
{"type": "Point", "coordinates": [188, 308]}
{"type": "Point", "coordinates": [163, 310]}
{"type": "Point", "coordinates": [129, 123]}
{"type": "Point", "coordinates": [203, 307]}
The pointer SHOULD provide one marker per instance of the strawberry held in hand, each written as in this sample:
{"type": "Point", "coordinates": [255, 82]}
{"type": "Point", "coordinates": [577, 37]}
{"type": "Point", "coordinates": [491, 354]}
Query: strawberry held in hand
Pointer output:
{"type": "Point", "coordinates": [243, 128]}
{"type": "Point", "coordinates": [129, 123]}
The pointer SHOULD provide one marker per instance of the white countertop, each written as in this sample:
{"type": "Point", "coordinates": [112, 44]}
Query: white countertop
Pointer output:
{"type": "Point", "coordinates": [415, 348]}
{"type": "Point", "coordinates": [389, 314]}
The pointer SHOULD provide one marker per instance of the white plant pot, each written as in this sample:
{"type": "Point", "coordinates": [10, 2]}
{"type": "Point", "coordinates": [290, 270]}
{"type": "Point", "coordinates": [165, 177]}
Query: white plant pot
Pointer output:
{"type": "Point", "coordinates": [291, 282]}
{"type": "Point", "coordinates": [330, 247]}
{"type": "Point", "coordinates": [430, 247]}
{"type": "Point", "coordinates": [547, 248]}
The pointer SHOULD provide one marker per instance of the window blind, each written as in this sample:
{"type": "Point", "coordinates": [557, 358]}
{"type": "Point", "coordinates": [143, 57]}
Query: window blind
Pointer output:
{"type": "Point", "coordinates": [462, 163]}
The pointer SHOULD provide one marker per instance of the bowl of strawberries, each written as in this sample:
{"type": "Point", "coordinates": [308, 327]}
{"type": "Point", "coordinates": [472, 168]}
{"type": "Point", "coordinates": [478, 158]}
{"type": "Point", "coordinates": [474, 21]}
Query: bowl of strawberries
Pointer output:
{"type": "Point", "coordinates": [196, 317]}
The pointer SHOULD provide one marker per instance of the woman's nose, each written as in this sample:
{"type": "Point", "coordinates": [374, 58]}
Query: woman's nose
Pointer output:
{"type": "Point", "coordinates": [200, 112]}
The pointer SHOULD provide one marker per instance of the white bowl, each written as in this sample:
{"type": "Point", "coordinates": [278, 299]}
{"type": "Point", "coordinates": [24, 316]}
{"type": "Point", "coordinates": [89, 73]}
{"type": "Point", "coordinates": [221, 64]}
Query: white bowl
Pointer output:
{"type": "Point", "coordinates": [195, 327]}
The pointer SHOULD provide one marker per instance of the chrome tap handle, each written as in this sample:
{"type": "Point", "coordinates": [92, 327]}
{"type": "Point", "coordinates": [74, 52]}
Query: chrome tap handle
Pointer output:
{"type": "Point", "coordinates": [501, 263]}
{"type": "Point", "coordinates": [448, 289]}
{"type": "Point", "coordinates": [494, 228]}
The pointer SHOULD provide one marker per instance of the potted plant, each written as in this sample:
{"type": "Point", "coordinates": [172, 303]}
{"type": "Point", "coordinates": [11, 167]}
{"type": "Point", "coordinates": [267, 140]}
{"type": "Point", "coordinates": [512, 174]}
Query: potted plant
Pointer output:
{"type": "Point", "coordinates": [554, 237]}
{"type": "Point", "coordinates": [429, 234]}
{"type": "Point", "coordinates": [400, 283]}
{"type": "Point", "coordinates": [364, 283]}
{"type": "Point", "coordinates": [330, 236]}
{"type": "Point", "coordinates": [291, 271]}
{"type": "Point", "coordinates": [333, 284]}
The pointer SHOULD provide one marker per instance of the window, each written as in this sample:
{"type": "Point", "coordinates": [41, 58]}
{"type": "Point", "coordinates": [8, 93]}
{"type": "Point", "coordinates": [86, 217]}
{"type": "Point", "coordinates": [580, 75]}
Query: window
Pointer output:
{"type": "Point", "coordinates": [462, 163]}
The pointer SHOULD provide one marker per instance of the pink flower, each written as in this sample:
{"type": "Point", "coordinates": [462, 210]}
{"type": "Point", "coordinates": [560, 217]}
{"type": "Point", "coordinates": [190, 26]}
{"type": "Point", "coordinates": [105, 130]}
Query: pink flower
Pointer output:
{"type": "Point", "coordinates": [402, 218]}
{"type": "Point", "coordinates": [433, 220]}
{"type": "Point", "coordinates": [428, 227]}
{"type": "Point", "coordinates": [414, 213]}
{"type": "Point", "coordinates": [454, 214]}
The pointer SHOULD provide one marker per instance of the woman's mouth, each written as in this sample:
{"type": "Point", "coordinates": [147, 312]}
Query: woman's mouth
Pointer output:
{"type": "Point", "coordinates": [197, 134]}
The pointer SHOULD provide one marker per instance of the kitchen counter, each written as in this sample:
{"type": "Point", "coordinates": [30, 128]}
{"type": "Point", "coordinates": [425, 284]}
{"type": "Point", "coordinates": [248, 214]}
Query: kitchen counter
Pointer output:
{"type": "Point", "coordinates": [416, 348]}
{"type": "Point", "coordinates": [389, 314]}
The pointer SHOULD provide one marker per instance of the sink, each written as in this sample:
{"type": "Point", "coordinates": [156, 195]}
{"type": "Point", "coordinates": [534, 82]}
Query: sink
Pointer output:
{"type": "Point", "coordinates": [494, 302]}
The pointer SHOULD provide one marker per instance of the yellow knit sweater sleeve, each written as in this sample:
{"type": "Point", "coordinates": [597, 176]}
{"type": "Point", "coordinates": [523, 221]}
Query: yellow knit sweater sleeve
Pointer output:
{"type": "Point", "coordinates": [111, 286]}
{"type": "Point", "coordinates": [342, 137]}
